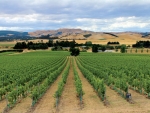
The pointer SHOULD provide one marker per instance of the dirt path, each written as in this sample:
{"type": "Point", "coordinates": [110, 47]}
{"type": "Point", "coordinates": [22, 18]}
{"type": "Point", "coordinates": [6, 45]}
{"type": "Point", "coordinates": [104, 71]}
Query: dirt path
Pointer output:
{"type": "Point", "coordinates": [47, 103]}
{"type": "Point", "coordinates": [118, 104]}
{"type": "Point", "coordinates": [92, 103]}
{"type": "Point", "coordinates": [23, 106]}
{"type": "Point", "coordinates": [141, 101]}
{"type": "Point", "coordinates": [2, 105]}
{"type": "Point", "coordinates": [68, 101]}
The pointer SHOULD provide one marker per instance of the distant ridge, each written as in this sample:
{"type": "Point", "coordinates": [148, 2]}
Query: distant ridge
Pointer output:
{"type": "Point", "coordinates": [58, 33]}
{"type": "Point", "coordinates": [77, 34]}
{"type": "Point", "coordinates": [11, 35]}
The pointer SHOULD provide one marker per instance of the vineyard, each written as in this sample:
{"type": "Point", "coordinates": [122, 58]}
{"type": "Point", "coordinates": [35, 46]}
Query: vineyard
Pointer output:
{"type": "Point", "coordinates": [45, 81]}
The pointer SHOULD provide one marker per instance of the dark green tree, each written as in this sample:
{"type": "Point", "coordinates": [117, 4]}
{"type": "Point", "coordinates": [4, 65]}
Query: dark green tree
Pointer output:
{"type": "Point", "coordinates": [94, 48]}
{"type": "Point", "coordinates": [50, 43]}
{"type": "Point", "coordinates": [136, 50]}
{"type": "Point", "coordinates": [142, 50]}
{"type": "Point", "coordinates": [74, 51]}
{"type": "Point", "coordinates": [123, 48]}
{"type": "Point", "coordinates": [88, 43]}
{"type": "Point", "coordinates": [103, 48]}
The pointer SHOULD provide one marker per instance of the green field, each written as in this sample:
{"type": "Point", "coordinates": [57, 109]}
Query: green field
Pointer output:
{"type": "Point", "coordinates": [120, 71]}
{"type": "Point", "coordinates": [20, 73]}
{"type": "Point", "coordinates": [31, 74]}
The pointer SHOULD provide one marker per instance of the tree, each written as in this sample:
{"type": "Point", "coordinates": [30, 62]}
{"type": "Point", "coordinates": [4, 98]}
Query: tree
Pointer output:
{"type": "Point", "coordinates": [142, 50]}
{"type": "Point", "coordinates": [50, 43]}
{"type": "Point", "coordinates": [74, 51]}
{"type": "Point", "coordinates": [88, 43]}
{"type": "Point", "coordinates": [103, 48]}
{"type": "Point", "coordinates": [72, 44]}
{"type": "Point", "coordinates": [116, 50]}
{"type": "Point", "coordinates": [94, 48]}
{"type": "Point", "coordinates": [136, 50]}
{"type": "Point", "coordinates": [20, 45]}
{"type": "Point", "coordinates": [123, 48]}
{"type": "Point", "coordinates": [87, 35]}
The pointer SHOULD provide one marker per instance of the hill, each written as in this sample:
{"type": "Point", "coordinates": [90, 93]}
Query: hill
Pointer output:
{"type": "Point", "coordinates": [81, 36]}
{"type": "Point", "coordinates": [11, 35]}
{"type": "Point", "coordinates": [60, 33]}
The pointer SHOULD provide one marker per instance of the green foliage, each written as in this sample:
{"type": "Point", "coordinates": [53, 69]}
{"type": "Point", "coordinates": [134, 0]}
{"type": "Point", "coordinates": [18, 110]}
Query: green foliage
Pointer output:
{"type": "Point", "coordinates": [88, 43]}
{"type": "Point", "coordinates": [19, 78]}
{"type": "Point", "coordinates": [136, 50]}
{"type": "Point", "coordinates": [94, 48]}
{"type": "Point", "coordinates": [123, 48]}
{"type": "Point", "coordinates": [119, 71]}
{"type": "Point", "coordinates": [87, 35]}
{"type": "Point", "coordinates": [62, 82]}
{"type": "Point", "coordinates": [113, 43]}
{"type": "Point", "coordinates": [50, 43]}
{"type": "Point", "coordinates": [78, 83]}
{"type": "Point", "coordinates": [103, 48]}
{"type": "Point", "coordinates": [141, 44]}
{"type": "Point", "coordinates": [97, 84]}
{"type": "Point", "coordinates": [57, 48]}
{"type": "Point", "coordinates": [74, 51]}
{"type": "Point", "coordinates": [30, 45]}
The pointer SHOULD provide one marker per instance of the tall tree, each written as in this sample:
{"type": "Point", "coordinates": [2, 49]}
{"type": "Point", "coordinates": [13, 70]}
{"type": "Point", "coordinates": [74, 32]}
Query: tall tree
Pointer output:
{"type": "Point", "coordinates": [123, 48]}
{"type": "Point", "coordinates": [94, 48]}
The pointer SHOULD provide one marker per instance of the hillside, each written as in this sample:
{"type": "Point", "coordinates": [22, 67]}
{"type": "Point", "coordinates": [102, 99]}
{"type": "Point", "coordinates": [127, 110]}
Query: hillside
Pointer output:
{"type": "Point", "coordinates": [57, 33]}
{"type": "Point", "coordinates": [11, 35]}
{"type": "Point", "coordinates": [81, 36]}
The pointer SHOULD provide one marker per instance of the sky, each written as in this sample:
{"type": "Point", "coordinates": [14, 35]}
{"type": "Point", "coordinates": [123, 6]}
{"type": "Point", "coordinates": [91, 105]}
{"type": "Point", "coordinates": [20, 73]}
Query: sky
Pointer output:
{"type": "Point", "coordinates": [93, 15]}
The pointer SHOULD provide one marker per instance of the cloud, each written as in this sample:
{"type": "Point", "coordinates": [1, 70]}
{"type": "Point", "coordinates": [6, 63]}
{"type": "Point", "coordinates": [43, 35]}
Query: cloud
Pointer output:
{"type": "Point", "coordinates": [97, 15]}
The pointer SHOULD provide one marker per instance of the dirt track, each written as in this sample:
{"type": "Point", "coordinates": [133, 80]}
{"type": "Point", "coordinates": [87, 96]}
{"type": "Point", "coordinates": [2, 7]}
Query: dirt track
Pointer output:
{"type": "Point", "coordinates": [2, 105]}
{"type": "Point", "coordinates": [69, 102]}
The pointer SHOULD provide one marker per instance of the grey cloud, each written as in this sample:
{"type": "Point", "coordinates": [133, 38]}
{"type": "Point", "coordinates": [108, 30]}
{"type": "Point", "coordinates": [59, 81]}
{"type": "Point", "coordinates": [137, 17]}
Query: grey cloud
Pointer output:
{"type": "Point", "coordinates": [55, 14]}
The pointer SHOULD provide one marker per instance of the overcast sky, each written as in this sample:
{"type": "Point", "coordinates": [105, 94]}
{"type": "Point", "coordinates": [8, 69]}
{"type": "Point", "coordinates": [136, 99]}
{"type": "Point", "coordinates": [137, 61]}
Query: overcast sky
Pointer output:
{"type": "Point", "coordinates": [94, 15]}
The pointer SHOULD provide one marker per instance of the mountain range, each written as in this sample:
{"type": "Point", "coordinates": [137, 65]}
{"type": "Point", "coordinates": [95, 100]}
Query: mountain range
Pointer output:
{"type": "Point", "coordinates": [70, 34]}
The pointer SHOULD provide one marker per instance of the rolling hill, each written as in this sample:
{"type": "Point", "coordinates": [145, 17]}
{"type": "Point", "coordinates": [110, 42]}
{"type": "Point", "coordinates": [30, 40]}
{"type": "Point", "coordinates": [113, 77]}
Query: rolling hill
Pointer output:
{"type": "Point", "coordinates": [11, 35]}
{"type": "Point", "coordinates": [81, 36]}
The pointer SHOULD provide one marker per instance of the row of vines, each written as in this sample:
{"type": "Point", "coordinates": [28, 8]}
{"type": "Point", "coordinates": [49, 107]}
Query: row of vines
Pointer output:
{"type": "Point", "coordinates": [61, 83]}
{"type": "Point", "coordinates": [119, 71]}
{"type": "Point", "coordinates": [98, 84]}
{"type": "Point", "coordinates": [29, 74]}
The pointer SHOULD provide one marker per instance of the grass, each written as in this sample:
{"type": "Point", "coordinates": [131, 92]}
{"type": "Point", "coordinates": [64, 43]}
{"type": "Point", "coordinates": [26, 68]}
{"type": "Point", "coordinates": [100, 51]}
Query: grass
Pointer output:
{"type": "Point", "coordinates": [102, 39]}
{"type": "Point", "coordinates": [5, 45]}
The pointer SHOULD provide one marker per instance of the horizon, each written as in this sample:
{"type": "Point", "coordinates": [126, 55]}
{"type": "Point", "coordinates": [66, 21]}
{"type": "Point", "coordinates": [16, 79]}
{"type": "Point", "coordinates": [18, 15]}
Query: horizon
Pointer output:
{"type": "Point", "coordinates": [97, 16]}
{"type": "Point", "coordinates": [81, 29]}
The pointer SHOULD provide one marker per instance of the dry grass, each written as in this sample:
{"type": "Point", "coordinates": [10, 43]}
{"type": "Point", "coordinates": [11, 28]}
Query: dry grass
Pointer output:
{"type": "Point", "coordinates": [95, 38]}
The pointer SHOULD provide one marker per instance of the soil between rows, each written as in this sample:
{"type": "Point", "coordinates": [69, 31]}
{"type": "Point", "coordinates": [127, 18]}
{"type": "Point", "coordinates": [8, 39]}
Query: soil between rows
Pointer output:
{"type": "Point", "coordinates": [2, 105]}
{"type": "Point", "coordinates": [68, 101]}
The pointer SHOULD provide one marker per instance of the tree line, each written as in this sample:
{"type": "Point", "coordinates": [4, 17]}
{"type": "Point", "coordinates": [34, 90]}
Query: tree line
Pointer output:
{"type": "Point", "coordinates": [30, 45]}
{"type": "Point", "coordinates": [96, 47]}
{"type": "Point", "coordinates": [140, 44]}
{"type": "Point", "coordinates": [41, 45]}
{"type": "Point", "coordinates": [113, 43]}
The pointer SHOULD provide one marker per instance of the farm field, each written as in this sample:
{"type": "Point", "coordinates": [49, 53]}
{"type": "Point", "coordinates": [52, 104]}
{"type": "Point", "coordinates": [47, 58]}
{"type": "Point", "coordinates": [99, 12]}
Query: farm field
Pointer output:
{"type": "Point", "coordinates": [49, 82]}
